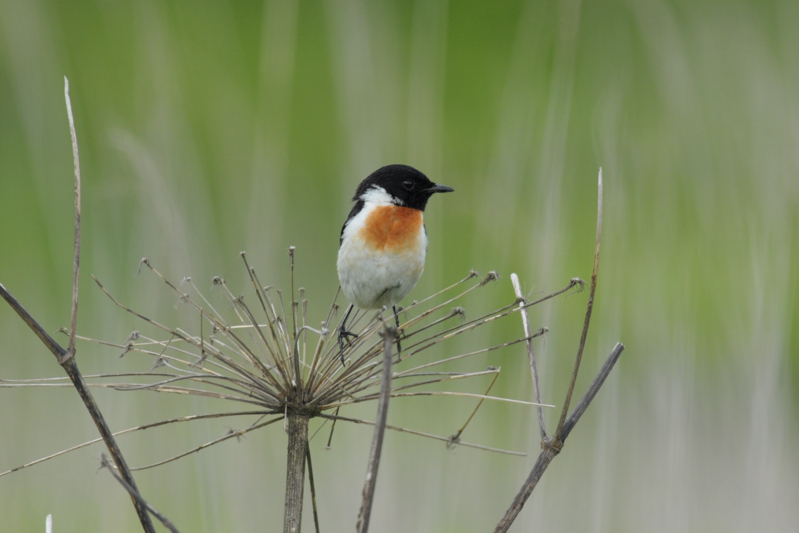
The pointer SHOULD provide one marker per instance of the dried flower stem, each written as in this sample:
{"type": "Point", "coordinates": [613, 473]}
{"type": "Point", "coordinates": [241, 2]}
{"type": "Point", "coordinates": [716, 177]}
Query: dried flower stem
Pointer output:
{"type": "Point", "coordinates": [447, 440]}
{"type": "Point", "coordinates": [389, 336]}
{"type": "Point", "coordinates": [76, 260]}
{"type": "Point", "coordinates": [295, 471]}
{"type": "Point", "coordinates": [134, 493]}
{"type": "Point", "coordinates": [588, 311]}
{"type": "Point", "coordinates": [517, 289]}
{"type": "Point", "coordinates": [66, 358]}
{"type": "Point", "coordinates": [552, 446]}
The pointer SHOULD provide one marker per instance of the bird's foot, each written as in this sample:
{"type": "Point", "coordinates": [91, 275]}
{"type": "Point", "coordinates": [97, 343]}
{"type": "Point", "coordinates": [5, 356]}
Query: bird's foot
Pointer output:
{"type": "Point", "coordinates": [400, 334]}
{"type": "Point", "coordinates": [344, 338]}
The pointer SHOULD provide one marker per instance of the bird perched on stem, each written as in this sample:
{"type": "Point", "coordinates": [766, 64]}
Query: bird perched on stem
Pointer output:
{"type": "Point", "coordinates": [384, 241]}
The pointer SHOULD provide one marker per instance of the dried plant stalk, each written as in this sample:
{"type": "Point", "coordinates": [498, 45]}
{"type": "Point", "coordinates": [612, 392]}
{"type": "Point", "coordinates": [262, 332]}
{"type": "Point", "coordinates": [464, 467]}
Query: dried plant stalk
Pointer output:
{"type": "Point", "coordinates": [551, 447]}
{"type": "Point", "coordinates": [295, 471]}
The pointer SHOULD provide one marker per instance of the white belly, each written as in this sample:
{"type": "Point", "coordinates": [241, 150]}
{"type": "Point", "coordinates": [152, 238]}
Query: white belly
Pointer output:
{"type": "Point", "coordinates": [372, 278]}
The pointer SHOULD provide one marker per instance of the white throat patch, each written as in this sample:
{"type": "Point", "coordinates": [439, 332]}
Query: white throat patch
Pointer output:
{"type": "Point", "coordinates": [378, 196]}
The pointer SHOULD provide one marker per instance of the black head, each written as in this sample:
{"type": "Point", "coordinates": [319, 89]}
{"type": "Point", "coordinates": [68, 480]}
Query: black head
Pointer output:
{"type": "Point", "coordinates": [406, 186]}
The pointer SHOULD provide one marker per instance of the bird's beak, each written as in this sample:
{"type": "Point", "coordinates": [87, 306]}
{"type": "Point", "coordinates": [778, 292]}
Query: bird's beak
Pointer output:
{"type": "Point", "coordinates": [439, 188]}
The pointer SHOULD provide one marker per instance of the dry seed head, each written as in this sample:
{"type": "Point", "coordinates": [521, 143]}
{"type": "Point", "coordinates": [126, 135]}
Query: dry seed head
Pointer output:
{"type": "Point", "coordinates": [257, 359]}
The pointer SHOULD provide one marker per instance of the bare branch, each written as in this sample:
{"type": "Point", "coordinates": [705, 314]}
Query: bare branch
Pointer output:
{"type": "Point", "coordinates": [66, 357]}
{"type": "Point", "coordinates": [188, 418]}
{"type": "Point", "coordinates": [517, 289]}
{"type": "Point", "coordinates": [313, 488]}
{"type": "Point", "coordinates": [455, 437]}
{"type": "Point", "coordinates": [447, 440]}
{"type": "Point", "coordinates": [136, 496]}
{"type": "Point", "coordinates": [588, 311]}
{"type": "Point", "coordinates": [227, 436]}
{"type": "Point", "coordinates": [541, 465]}
{"type": "Point", "coordinates": [552, 447]}
{"type": "Point", "coordinates": [76, 261]}
{"type": "Point", "coordinates": [389, 336]}
{"type": "Point", "coordinates": [588, 397]}
{"type": "Point", "coordinates": [370, 397]}
{"type": "Point", "coordinates": [55, 348]}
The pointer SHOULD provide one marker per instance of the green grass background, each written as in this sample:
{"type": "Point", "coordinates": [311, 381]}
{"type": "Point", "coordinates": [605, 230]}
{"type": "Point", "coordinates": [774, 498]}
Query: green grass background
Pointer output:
{"type": "Point", "coordinates": [207, 128]}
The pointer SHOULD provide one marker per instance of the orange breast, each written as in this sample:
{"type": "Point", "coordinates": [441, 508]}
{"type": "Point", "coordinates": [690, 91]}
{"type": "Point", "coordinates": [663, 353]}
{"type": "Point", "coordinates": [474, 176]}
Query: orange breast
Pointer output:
{"type": "Point", "coordinates": [392, 227]}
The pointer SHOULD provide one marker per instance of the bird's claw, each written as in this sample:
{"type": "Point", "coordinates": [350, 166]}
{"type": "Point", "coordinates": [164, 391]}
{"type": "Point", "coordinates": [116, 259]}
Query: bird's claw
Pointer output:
{"type": "Point", "coordinates": [400, 334]}
{"type": "Point", "coordinates": [344, 338]}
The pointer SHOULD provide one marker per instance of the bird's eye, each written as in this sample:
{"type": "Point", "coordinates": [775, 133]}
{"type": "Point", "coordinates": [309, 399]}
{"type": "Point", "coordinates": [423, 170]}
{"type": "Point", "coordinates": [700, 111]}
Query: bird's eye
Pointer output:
{"type": "Point", "coordinates": [408, 184]}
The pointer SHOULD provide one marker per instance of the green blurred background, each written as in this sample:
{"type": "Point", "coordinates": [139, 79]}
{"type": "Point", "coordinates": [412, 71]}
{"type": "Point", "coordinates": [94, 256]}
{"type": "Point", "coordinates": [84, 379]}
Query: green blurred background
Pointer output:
{"type": "Point", "coordinates": [207, 128]}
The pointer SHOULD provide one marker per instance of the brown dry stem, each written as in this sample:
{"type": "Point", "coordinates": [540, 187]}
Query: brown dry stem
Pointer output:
{"type": "Point", "coordinates": [552, 446]}
{"type": "Point", "coordinates": [389, 336]}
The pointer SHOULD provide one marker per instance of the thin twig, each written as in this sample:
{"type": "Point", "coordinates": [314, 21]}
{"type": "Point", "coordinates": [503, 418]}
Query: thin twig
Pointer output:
{"type": "Point", "coordinates": [589, 309]}
{"type": "Point", "coordinates": [446, 440]}
{"type": "Point", "coordinates": [76, 261]}
{"type": "Point", "coordinates": [370, 397]}
{"type": "Point", "coordinates": [389, 336]}
{"type": "Point", "coordinates": [54, 348]}
{"type": "Point", "coordinates": [134, 493]}
{"type": "Point", "coordinates": [227, 436]}
{"type": "Point", "coordinates": [588, 397]}
{"type": "Point", "coordinates": [332, 429]}
{"type": "Point", "coordinates": [66, 358]}
{"type": "Point", "coordinates": [538, 333]}
{"type": "Point", "coordinates": [517, 289]}
{"type": "Point", "coordinates": [552, 448]}
{"type": "Point", "coordinates": [313, 488]}
{"type": "Point", "coordinates": [188, 418]}
{"type": "Point", "coordinates": [455, 437]}
{"type": "Point", "coordinates": [295, 348]}
{"type": "Point", "coordinates": [538, 470]}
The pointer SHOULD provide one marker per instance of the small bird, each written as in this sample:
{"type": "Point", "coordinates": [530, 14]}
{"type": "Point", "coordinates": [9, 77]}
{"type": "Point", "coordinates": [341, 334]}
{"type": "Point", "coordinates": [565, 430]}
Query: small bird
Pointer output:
{"type": "Point", "coordinates": [384, 241]}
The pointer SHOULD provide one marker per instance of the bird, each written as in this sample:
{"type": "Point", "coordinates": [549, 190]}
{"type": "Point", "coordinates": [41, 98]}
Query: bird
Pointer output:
{"type": "Point", "coordinates": [383, 242]}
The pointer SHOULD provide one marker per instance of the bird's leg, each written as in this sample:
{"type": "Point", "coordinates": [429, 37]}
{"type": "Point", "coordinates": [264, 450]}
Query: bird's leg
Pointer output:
{"type": "Point", "coordinates": [399, 333]}
{"type": "Point", "coordinates": [343, 334]}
